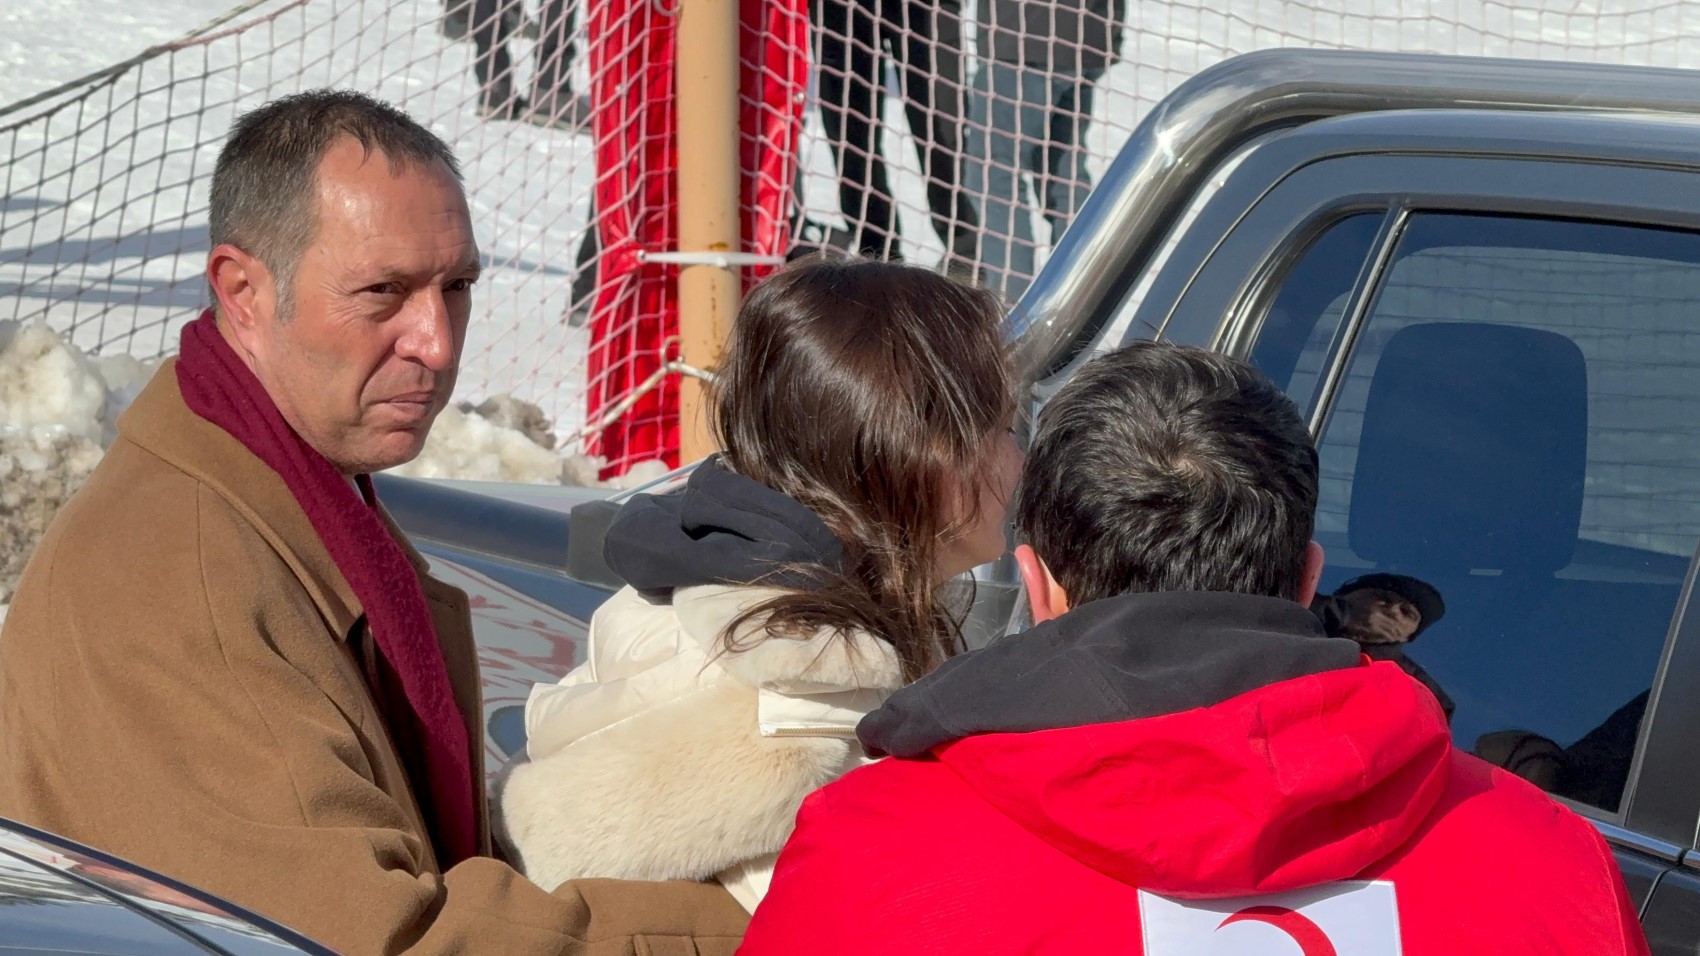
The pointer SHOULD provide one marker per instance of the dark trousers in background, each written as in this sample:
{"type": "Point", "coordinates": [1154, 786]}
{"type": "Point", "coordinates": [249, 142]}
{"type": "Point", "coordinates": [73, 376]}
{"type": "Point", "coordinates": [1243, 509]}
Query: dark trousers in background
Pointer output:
{"type": "Point", "coordinates": [924, 41]}
{"type": "Point", "coordinates": [1025, 122]}
{"type": "Point", "coordinates": [556, 49]}
{"type": "Point", "coordinates": [491, 64]}
{"type": "Point", "coordinates": [493, 26]}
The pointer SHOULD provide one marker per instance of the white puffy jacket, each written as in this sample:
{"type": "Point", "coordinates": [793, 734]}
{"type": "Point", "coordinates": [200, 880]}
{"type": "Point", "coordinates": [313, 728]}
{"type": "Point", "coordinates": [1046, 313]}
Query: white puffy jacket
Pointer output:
{"type": "Point", "coordinates": [662, 757]}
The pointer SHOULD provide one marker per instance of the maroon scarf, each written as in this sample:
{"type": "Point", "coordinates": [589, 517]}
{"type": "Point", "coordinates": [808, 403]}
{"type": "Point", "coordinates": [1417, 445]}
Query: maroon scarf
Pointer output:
{"type": "Point", "coordinates": [218, 386]}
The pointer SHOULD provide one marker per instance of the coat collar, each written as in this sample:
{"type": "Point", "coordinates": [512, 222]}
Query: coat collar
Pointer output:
{"type": "Point", "coordinates": [163, 425]}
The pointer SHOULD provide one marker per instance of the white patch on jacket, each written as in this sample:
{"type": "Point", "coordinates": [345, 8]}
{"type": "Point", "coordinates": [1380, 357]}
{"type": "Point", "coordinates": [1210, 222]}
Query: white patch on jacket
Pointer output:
{"type": "Point", "coordinates": [661, 758]}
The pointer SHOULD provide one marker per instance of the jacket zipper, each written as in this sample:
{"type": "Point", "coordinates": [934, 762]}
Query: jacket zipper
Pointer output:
{"type": "Point", "coordinates": [808, 730]}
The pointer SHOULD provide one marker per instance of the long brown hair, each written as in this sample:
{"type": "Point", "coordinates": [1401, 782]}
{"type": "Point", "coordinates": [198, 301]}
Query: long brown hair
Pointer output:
{"type": "Point", "coordinates": [870, 392]}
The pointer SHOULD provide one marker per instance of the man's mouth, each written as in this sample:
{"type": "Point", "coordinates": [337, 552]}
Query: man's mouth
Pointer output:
{"type": "Point", "coordinates": [413, 404]}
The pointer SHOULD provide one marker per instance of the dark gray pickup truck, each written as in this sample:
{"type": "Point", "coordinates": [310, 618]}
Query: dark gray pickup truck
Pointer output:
{"type": "Point", "coordinates": [1481, 281]}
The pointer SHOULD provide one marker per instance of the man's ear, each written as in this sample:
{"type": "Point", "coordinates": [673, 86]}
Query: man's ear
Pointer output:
{"type": "Point", "coordinates": [244, 289]}
{"type": "Point", "coordinates": [1044, 595]}
{"type": "Point", "coordinates": [1314, 561]}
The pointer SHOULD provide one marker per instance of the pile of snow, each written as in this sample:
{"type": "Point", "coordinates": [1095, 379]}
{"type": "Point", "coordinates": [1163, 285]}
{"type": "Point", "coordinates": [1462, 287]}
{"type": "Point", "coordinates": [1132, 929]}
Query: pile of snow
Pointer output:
{"type": "Point", "coordinates": [39, 472]}
{"type": "Point", "coordinates": [47, 387]}
{"type": "Point", "coordinates": [638, 475]}
{"type": "Point", "coordinates": [469, 443]}
{"type": "Point", "coordinates": [506, 439]}
{"type": "Point", "coordinates": [58, 409]}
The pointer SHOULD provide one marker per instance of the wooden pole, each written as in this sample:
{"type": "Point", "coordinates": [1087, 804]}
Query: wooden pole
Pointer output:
{"type": "Point", "coordinates": [706, 78]}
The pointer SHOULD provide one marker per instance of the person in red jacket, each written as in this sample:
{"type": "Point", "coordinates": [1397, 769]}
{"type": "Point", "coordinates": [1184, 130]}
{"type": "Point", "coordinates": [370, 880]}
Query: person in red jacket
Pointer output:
{"type": "Point", "coordinates": [1175, 759]}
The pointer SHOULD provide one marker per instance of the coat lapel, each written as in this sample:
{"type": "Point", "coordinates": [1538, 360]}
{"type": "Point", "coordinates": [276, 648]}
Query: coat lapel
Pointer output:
{"type": "Point", "coordinates": [451, 616]}
{"type": "Point", "coordinates": [163, 425]}
{"type": "Point", "coordinates": [159, 422]}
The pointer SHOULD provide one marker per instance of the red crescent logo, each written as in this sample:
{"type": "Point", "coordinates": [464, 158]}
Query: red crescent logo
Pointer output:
{"type": "Point", "coordinates": [1310, 937]}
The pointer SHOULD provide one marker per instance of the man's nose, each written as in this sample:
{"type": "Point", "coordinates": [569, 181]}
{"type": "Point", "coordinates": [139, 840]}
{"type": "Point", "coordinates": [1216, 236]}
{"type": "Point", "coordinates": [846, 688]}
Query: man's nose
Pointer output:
{"type": "Point", "coordinates": [429, 336]}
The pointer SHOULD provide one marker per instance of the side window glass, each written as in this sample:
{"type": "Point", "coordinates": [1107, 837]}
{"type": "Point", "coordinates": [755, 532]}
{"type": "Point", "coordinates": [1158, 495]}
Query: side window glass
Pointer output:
{"type": "Point", "coordinates": [1514, 453]}
{"type": "Point", "coordinates": [1300, 329]}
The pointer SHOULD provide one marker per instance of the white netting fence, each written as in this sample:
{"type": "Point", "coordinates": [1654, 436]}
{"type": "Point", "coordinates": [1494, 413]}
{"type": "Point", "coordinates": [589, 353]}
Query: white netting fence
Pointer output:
{"type": "Point", "coordinates": [1051, 89]}
{"type": "Point", "coordinates": [963, 135]}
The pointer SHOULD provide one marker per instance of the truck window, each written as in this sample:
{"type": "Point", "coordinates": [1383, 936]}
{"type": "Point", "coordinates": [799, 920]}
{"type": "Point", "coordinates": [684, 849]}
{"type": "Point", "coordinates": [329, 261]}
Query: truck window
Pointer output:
{"type": "Point", "coordinates": [1519, 427]}
{"type": "Point", "coordinates": [1299, 331]}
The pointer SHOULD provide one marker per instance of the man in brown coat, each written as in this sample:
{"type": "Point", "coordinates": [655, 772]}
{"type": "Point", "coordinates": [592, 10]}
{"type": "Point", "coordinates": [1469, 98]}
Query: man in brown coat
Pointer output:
{"type": "Point", "coordinates": [224, 662]}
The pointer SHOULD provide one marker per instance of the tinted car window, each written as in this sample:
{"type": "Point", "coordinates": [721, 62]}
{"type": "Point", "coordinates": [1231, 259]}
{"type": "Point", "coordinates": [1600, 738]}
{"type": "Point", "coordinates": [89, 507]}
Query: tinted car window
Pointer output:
{"type": "Point", "coordinates": [1302, 325]}
{"type": "Point", "coordinates": [1517, 429]}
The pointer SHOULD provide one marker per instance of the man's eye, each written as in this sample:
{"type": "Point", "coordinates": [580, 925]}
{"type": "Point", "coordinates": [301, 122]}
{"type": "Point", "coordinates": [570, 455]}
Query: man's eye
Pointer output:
{"type": "Point", "coordinates": [461, 285]}
{"type": "Point", "coordinates": [383, 288]}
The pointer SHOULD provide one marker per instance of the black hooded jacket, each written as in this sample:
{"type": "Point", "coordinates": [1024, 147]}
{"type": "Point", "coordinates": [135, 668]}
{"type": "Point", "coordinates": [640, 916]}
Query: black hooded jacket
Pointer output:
{"type": "Point", "coordinates": [721, 528]}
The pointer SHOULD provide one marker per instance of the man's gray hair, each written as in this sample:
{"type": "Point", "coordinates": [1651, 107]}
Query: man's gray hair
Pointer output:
{"type": "Point", "coordinates": [263, 188]}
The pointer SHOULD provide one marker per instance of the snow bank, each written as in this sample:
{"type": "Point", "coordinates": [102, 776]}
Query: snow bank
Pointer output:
{"type": "Point", "coordinates": [465, 444]}
{"type": "Point", "coordinates": [506, 439]}
{"type": "Point", "coordinates": [39, 471]}
{"type": "Point", "coordinates": [56, 416]}
{"type": "Point", "coordinates": [636, 476]}
{"type": "Point", "coordinates": [46, 386]}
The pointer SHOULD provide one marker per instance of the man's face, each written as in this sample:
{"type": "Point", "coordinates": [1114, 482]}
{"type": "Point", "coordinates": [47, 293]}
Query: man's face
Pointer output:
{"type": "Point", "coordinates": [369, 353]}
{"type": "Point", "coordinates": [1380, 617]}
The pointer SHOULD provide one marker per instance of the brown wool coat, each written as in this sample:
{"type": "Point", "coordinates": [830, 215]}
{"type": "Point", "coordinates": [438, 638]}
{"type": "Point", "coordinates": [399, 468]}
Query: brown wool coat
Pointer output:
{"type": "Point", "coordinates": [181, 684]}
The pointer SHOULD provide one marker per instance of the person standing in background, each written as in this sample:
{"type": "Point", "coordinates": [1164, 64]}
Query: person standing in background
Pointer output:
{"type": "Point", "coordinates": [553, 102]}
{"type": "Point", "coordinates": [491, 24]}
{"type": "Point", "coordinates": [924, 41]}
{"type": "Point", "coordinates": [1040, 61]}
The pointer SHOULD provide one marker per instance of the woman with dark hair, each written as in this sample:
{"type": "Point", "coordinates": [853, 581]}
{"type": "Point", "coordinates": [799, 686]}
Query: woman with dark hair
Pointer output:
{"type": "Point", "coordinates": [863, 412]}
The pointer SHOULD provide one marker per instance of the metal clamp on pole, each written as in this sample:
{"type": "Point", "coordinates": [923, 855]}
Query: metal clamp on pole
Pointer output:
{"type": "Point", "coordinates": [720, 260]}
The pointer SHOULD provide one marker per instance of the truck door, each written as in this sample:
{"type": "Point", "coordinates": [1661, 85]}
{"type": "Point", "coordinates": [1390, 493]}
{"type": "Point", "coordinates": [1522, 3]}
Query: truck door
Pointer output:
{"type": "Point", "coordinates": [1506, 409]}
{"type": "Point", "coordinates": [1500, 358]}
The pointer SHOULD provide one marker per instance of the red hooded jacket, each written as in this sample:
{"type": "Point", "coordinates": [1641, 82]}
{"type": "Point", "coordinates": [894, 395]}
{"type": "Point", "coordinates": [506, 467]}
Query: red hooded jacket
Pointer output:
{"type": "Point", "coordinates": [1323, 814]}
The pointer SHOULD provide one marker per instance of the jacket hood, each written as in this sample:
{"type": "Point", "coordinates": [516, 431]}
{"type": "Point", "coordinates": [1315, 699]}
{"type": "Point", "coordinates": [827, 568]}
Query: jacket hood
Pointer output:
{"type": "Point", "coordinates": [1196, 745]}
{"type": "Point", "coordinates": [721, 528]}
